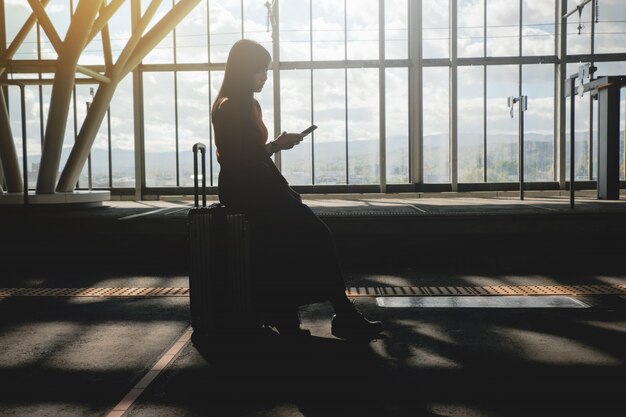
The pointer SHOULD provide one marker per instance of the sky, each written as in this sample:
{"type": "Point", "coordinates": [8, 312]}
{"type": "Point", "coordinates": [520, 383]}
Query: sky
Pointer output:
{"type": "Point", "coordinates": [324, 22]}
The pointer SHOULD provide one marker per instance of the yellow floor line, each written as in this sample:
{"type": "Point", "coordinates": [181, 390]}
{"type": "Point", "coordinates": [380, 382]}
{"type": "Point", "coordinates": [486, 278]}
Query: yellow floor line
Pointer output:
{"type": "Point", "coordinates": [147, 292]}
{"type": "Point", "coordinates": [129, 399]}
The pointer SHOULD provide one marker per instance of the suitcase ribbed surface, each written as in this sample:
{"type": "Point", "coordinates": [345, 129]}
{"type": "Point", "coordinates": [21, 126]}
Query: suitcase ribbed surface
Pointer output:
{"type": "Point", "coordinates": [219, 281]}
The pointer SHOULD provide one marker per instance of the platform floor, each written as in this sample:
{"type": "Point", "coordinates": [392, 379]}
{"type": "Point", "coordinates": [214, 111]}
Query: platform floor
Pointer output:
{"type": "Point", "coordinates": [110, 354]}
{"type": "Point", "coordinates": [87, 355]}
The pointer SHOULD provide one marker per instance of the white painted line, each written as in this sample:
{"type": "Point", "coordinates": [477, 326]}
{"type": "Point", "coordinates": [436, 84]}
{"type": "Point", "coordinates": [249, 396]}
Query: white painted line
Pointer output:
{"type": "Point", "coordinates": [132, 216]}
{"type": "Point", "coordinates": [418, 209]}
{"type": "Point", "coordinates": [129, 399]}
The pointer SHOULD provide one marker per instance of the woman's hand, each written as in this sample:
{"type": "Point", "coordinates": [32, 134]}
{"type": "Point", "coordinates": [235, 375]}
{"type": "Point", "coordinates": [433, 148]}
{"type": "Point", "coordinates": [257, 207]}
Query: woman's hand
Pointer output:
{"type": "Point", "coordinates": [288, 140]}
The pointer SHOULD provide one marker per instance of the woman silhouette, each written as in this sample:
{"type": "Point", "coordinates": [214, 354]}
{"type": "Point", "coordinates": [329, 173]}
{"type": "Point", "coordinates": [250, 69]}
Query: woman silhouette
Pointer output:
{"type": "Point", "coordinates": [294, 261]}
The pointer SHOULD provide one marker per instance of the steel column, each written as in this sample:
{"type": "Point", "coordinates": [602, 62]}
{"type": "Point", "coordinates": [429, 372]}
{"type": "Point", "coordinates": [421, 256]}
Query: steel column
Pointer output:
{"type": "Point", "coordinates": [103, 97]}
{"type": "Point", "coordinates": [75, 42]}
{"type": "Point", "coordinates": [608, 142]}
{"type": "Point", "coordinates": [453, 86]}
{"type": "Point", "coordinates": [382, 105]}
{"type": "Point", "coordinates": [416, 170]}
{"type": "Point", "coordinates": [8, 154]}
{"type": "Point", "coordinates": [559, 95]}
{"type": "Point", "coordinates": [572, 145]}
{"type": "Point", "coordinates": [24, 142]}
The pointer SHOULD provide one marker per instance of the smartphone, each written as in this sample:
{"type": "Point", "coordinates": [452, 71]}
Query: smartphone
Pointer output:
{"type": "Point", "coordinates": [309, 130]}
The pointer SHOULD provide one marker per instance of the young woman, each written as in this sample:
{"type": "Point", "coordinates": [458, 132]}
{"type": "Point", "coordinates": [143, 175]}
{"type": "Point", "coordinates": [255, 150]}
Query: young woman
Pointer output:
{"type": "Point", "coordinates": [293, 256]}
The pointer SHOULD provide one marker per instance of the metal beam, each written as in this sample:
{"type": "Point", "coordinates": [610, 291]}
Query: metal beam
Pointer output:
{"type": "Point", "coordinates": [106, 44]}
{"type": "Point", "coordinates": [8, 154]}
{"type": "Point", "coordinates": [105, 92]}
{"type": "Point", "coordinates": [93, 74]}
{"type": "Point", "coordinates": [44, 81]}
{"type": "Point", "coordinates": [106, 12]}
{"type": "Point", "coordinates": [415, 93]}
{"type": "Point", "coordinates": [75, 42]}
{"type": "Point", "coordinates": [47, 25]}
{"type": "Point", "coordinates": [142, 24]}
{"type": "Point", "coordinates": [159, 31]}
{"type": "Point", "coordinates": [138, 119]}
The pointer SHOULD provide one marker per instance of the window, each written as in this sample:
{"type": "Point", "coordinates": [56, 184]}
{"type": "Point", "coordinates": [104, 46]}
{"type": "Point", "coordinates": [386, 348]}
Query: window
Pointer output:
{"type": "Point", "coordinates": [471, 126]}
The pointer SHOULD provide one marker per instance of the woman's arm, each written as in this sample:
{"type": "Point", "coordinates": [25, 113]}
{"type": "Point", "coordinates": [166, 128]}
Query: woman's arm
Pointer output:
{"type": "Point", "coordinates": [284, 141]}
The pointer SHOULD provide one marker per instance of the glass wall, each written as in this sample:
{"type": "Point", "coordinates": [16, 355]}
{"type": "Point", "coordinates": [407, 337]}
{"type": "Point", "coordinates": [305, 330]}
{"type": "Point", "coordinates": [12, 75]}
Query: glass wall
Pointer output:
{"type": "Point", "coordinates": [334, 56]}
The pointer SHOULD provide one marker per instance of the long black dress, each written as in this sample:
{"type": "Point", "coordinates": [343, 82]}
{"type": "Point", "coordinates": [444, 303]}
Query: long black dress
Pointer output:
{"type": "Point", "coordinates": [294, 261]}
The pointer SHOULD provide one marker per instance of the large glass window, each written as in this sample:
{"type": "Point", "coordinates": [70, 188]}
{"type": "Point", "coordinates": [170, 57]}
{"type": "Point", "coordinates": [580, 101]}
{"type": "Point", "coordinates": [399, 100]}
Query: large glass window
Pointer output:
{"type": "Point", "coordinates": [611, 27]}
{"type": "Point", "coordinates": [471, 126]}
{"type": "Point", "coordinates": [502, 136]}
{"type": "Point", "coordinates": [224, 27]}
{"type": "Point", "coordinates": [502, 27]}
{"type": "Point", "coordinates": [163, 53]}
{"type": "Point", "coordinates": [329, 114]}
{"type": "Point", "coordinates": [295, 30]}
{"type": "Point", "coordinates": [538, 30]}
{"type": "Point", "coordinates": [160, 129]}
{"type": "Point", "coordinates": [362, 29]}
{"type": "Point", "coordinates": [193, 118]}
{"type": "Point", "coordinates": [363, 127]}
{"type": "Point", "coordinates": [471, 28]}
{"type": "Point", "coordinates": [329, 68]}
{"type": "Point", "coordinates": [295, 105]}
{"type": "Point", "coordinates": [538, 86]}
{"type": "Point", "coordinates": [436, 125]}
{"type": "Point", "coordinates": [396, 29]}
{"type": "Point", "coordinates": [397, 125]}
{"type": "Point", "coordinates": [122, 135]}
{"type": "Point", "coordinates": [329, 30]}
{"type": "Point", "coordinates": [191, 36]}
{"type": "Point", "coordinates": [436, 28]}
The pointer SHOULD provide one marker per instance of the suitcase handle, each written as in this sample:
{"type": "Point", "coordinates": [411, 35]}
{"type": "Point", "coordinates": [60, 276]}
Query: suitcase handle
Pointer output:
{"type": "Point", "coordinates": [202, 148]}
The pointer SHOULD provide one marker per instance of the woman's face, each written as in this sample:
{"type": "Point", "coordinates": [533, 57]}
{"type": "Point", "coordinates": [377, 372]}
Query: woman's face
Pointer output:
{"type": "Point", "coordinates": [258, 80]}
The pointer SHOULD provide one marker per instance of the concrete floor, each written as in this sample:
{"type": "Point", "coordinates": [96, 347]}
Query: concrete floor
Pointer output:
{"type": "Point", "coordinates": [80, 356]}
{"type": "Point", "coordinates": [63, 356]}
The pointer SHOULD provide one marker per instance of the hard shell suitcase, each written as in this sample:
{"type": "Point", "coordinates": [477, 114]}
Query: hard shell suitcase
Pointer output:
{"type": "Point", "coordinates": [219, 275]}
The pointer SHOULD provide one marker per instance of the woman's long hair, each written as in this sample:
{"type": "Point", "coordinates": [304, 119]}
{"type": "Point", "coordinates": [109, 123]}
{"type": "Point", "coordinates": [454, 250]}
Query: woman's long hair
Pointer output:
{"type": "Point", "coordinates": [245, 59]}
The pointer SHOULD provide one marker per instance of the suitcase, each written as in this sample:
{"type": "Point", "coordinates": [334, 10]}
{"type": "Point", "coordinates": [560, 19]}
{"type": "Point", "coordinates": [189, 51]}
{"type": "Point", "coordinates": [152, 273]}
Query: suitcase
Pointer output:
{"type": "Point", "coordinates": [219, 273]}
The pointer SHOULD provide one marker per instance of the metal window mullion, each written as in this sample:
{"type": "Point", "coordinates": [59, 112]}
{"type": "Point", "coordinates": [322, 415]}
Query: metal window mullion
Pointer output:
{"type": "Point", "coordinates": [138, 119]}
{"type": "Point", "coordinates": [453, 105]}
{"type": "Point", "coordinates": [416, 171]}
{"type": "Point", "coordinates": [39, 76]}
{"type": "Point", "coordinates": [5, 89]}
{"type": "Point", "coordinates": [345, 85]}
{"type": "Point", "coordinates": [110, 147]}
{"type": "Point", "coordinates": [176, 128]}
{"type": "Point", "coordinates": [242, 17]}
{"type": "Point", "coordinates": [591, 113]}
{"type": "Point", "coordinates": [276, 80]}
{"type": "Point", "coordinates": [312, 92]}
{"type": "Point", "coordinates": [484, 123]}
{"type": "Point", "coordinates": [560, 106]}
{"type": "Point", "coordinates": [176, 136]}
{"type": "Point", "coordinates": [312, 134]}
{"type": "Point", "coordinates": [520, 139]}
{"type": "Point", "coordinates": [75, 113]}
{"type": "Point", "coordinates": [382, 109]}
{"type": "Point", "coordinates": [484, 91]}
{"type": "Point", "coordinates": [208, 43]}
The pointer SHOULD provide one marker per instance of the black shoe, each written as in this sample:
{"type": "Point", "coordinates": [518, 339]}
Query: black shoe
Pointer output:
{"type": "Point", "coordinates": [354, 326]}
